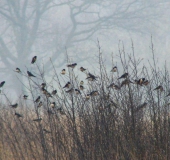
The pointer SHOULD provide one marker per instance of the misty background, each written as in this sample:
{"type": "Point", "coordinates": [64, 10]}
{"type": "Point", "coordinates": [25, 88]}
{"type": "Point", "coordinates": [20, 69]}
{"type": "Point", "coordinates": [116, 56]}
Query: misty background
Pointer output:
{"type": "Point", "coordinates": [52, 28]}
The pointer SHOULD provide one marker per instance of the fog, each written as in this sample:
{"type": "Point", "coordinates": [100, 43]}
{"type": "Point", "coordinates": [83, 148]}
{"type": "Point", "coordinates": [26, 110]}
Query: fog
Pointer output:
{"type": "Point", "coordinates": [53, 29]}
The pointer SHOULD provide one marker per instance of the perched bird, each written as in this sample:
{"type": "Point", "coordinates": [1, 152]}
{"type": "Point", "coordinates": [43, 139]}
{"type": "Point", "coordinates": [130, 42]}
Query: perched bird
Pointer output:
{"type": "Point", "coordinates": [14, 105]}
{"type": "Point", "coordinates": [44, 91]}
{"type": "Point", "coordinates": [2, 83]}
{"type": "Point", "coordinates": [68, 84]}
{"type": "Point", "coordinates": [140, 81]}
{"type": "Point", "coordinates": [30, 74]}
{"type": "Point", "coordinates": [18, 115]}
{"type": "Point", "coordinates": [40, 104]}
{"type": "Point", "coordinates": [72, 65]}
{"type": "Point", "coordinates": [87, 97]}
{"type": "Point", "coordinates": [113, 85]}
{"type": "Point", "coordinates": [77, 91]}
{"type": "Point", "coordinates": [37, 120]}
{"type": "Point", "coordinates": [114, 69]}
{"type": "Point", "coordinates": [34, 59]}
{"type": "Point", "coordinates": [146, 82]}
{"type": "Point", "coordinates": [54, 92]}
{"type": "Point", "coordinates": [38, 99]}
{"type": "Point", "coordinates": [123, 76]}
{"type": "Point", "coordinates": [63, 72]}
{"type": "Point", "coordinates": [82, 69]}
{"type": "Point", "coordinates": [46, 131]}
{"type": "Point", "coordinates": [70, 90]}
{"type": "Point", "coordinates": [81, 87]}
{"type": "Point", "coordinates": [48, 94]}
{"type": "Point", "coordinates": [25, 96]}
{"type": "Point", "coordinates": [91, 77]}
{"type": "Point", "coordinates": [81, 82]}
{"type": "Point", "coordinates": [18, 70]}
{"type": "Point", "coordinates": [125, 82]}
{"type": "Point", "coordinates": [159, 88]}
{"type": "Point", "coordinates": [94, 93]}
{"type": "Point", "coordinates": [43, 85]}
{"type": "Point", "coordinates": [52, 104]}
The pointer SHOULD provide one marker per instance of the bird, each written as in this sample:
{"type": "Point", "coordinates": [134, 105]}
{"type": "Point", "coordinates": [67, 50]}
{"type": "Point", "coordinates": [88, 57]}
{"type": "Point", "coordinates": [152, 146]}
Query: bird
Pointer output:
{"type": "Point", "coordinates": [91, 77]}
{"type": "Point", "coordinates": [77, 91]}
{"type": "Point", "coordinates": [44, 91]}
{"type": "Point", "coordinates": [72, 65]}
{"type": "Point", "coordinates": [94, 93]}
{"type": "Point", "coordinates": [14, 105]}
{"type": "Point", "coordinates": [54, 92]}
{"type": "Point", "coordinates": [34, 59]}
{"type": "Point", "coordinates": [38, 99]}
{"type": "Point", "coordinates": [30, 74]}
{"type": "Point", "coordinates": [63, 72]}
{"type": "Point", "coordinates": [40, 104]}
{"type": "Point", "coordinates": [81, 87]}
{"type": "Point", "coordinates": [81, 82]}
{"type": "Point", "coordinates": [146, 82]}
{"type": "Point", "coordinates": [2, 83]}
{"type": "Point", "coordinates": [70, 90]}
{"type": "Point", "coordinates": [123, 76]}
{"type": "Point", "coordinates": [159, 88]}
{"type": "Point", "coordinates": [18, 115]}
{"type": "Point", "coordinates": [125, 82]}
{"type": "Point", "coordinates": [113, 85]}
{"type": "Point", "coordinates": [48, 94]}
{"type": "Point", "coordinates": [82, 69]}
{"type": "Point", "coordinates": [52, 104]}
{"type": "Point", "coordinates": [37, 120]}
{"type": "Point", "coordinates": [68, 84]}
{"type": "Point", "coordinates": [43, 85]}
{"type": "Point", "coordinates": [140, 81]}
{"type": "Point", "coordinates": [114, 69]}
{"type": "Point", "coordinates": [87, 96]}
{"type": "Point", "coordinates": [18, 70]}
{"type": "Point", "coordinates": [25, 96]}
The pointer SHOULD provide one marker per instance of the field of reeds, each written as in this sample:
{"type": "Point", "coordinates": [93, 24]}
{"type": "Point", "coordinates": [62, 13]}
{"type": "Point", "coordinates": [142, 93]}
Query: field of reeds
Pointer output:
{"type": "Point", "coordinates": [109, 118]}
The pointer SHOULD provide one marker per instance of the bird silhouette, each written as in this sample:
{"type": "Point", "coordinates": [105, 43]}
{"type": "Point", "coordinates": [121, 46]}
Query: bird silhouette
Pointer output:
{"type": "Point", "coordinates": [25, 96]}
{"type": "Point", "coordinates": [18, 115]}
{"type": "Point", "coordinates": [77, 91]}
{"type": "Point", "coordinates": [43, 85]}
{"type": "Point", "coordinates": [14, 105]}
{"type": "Point", "coordinates": [37, 120]}
{"type": "Point", "coordinates": [54, 92]}
{"type": "Point", "coordinates": [52, 104]}
{"type": "Point", "coordinates": [18, 70]}
{"type": "Point", "coordinates": [30, 74]}
{"type": "Point", "coordinates": [81, 87]}
{"type": "Point", "coordinates": [34, 59]}
{"type": "Point", "coordinates": [159, 88]}
{"type": "Point", "coordinates": [63, 72]}
{"type": "Point", "coordinates": [68, 84]}
{"type": "Point", "coordinates": [72, 65]}
{"type": "Point", "coordinates": [82, 69]}
{"type": "Point", "coordinates": [38, 99]}
{"type": "Point", "coordinates": [114, 69]}
{"type": "Point", "coordinates": [123, 76]}
{"type": "Point", "coordinates": [81, 82]}
{"type": "Point", "coordinates": [2, 84]}
{"type": "Point", "coordinates": [40, 104]}
{"type": "Point", "coordinates": [94, 93]}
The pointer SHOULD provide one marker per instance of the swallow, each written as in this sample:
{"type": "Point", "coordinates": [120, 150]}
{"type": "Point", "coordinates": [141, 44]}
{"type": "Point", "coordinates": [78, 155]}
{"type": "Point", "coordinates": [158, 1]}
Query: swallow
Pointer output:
{"type": "Point", "coordinates": [52, 104]}
{"type": "Point", "coordinates": [146, 82]}
{"type": "Point", "coordinates": [46, 131]}
{"type": "Point", "coordinates": [94, 93]}
{"type": "Point", "coordinates": [68, 84]}
{"type": "Point", "coordinates": [81, 87]}
{"type": "Point", "coordinates": [82, 69]}
{"type": "Point", "coordinates": [114, 69]}
{"type": "Point", "coordinates": [70, 90]}
{"type": "Point", "coordinates": [77, 91]}
{"type": "Point", "coordinates": [123, 76]}
{"type": "Point", "coordinates": [37, 120]}
{"type": "Point", "coordinates": [2, 83]}
{"type": "Point", "coordinates": [14, 105]}
{"type": "Point", "coordinates": [87, 97]}
{"type": "Point", "coordinates": [38, 99]}
{"type": "Point", "coordinates": [44, 91]}
{"type": "Point", "coordinates": [72, 65]}
{"type": "Point", "coordinates": [18, 70]}
{"type": "Point", "coordinates": [125, 82]}
{"type": "Point", "coordinates": [159, 88]}
{"type": "Point", "coordinates": [54, 92]}
{"type": "Point", "coordinates": [18, 115]}
{"type": "Point", "coordinates": [40, 104]}
{"type": "Point", "coordinates": [113, 85]}
{"type": "Point", "coordinates": [30, 74]}
{"type": "Point", "coordinates": [81, 82]}
{"type": "Point", "coordinates": [91, 77]}
{"type": "Point", "coordinates": [140, 81]}
{"type": "Point", "coordinates": [63, 72]}
{"type": "Point", "coordinates": [34, 59]}
{"type": "Point", "coordinates": [25, 96]}
{"type": "Point", "coordinates": [43, 85]}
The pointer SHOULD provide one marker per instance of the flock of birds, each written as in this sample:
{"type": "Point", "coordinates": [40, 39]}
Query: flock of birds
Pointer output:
{"type": "Point", "coordinates": [70, 89]}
